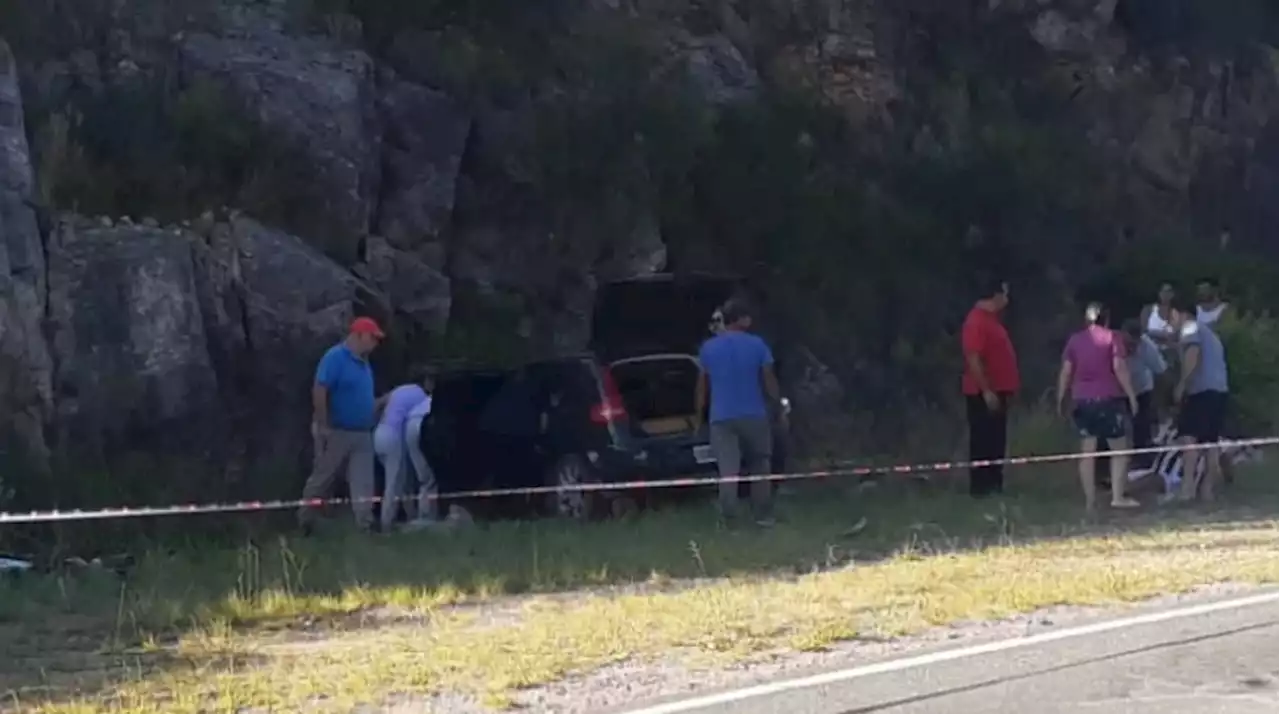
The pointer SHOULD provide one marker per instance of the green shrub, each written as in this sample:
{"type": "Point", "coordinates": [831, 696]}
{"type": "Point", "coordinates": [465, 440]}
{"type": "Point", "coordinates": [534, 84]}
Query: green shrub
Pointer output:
{"type": "Point", "coordinates": [1250, 340]}
{"type": "Point", "coordinates": [41, 31]}
{"type": "Point", "coordinates": [136, 149]}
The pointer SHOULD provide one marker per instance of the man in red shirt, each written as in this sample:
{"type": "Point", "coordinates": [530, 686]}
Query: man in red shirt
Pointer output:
{"type": "Point", "coordinates": [989, 383]}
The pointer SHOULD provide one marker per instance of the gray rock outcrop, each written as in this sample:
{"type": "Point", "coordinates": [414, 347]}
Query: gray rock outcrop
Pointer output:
{"type": "Point", "coordinates": [26, 368]}
{"type": "Point", "coordinates": [187, 341]}
{"type": "Point", "coordinates": [323, 101]}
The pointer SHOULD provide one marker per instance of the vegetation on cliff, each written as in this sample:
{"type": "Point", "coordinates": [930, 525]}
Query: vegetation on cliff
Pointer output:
{"type": "Point", "coordinates": [868, 165]}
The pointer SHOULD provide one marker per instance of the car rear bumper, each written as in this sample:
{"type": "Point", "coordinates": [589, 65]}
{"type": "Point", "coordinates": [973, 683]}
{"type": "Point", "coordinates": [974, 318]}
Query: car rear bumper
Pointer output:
{"type": "Point", "coordinates": [667, 459]}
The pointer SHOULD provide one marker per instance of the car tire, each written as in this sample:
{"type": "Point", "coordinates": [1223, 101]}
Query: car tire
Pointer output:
{"type": "Point", "coordinates": [573, 470]}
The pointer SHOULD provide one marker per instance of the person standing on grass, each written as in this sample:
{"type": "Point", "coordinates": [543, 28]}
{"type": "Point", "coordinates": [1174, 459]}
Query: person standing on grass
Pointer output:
{"type": "Point", "coordinates": [1201, 394]}
{"type": "Point", "coordinates": [1210, 310]}
{"type": "Point", "coordinates": [989, 382]}
{"type": "Point", "coordinates": [391, 446]}
{"type": "Point", "coordinates": [1145, 364]}
{"type": "Point", "coordinates": [737, 379]}
{"type": "Point", "coordinates": [428, 491]}
{"type": "Point", "coordinates": [341, 423]}
{"type": "Point", "coordinates": [1095, 371]}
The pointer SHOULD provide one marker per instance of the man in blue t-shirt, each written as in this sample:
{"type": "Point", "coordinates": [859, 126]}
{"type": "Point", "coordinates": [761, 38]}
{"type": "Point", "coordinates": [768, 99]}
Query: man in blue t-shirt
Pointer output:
{"type": "Point", "coordinates": [737, 372]}
{"type": "Point", "coordinates": [342, 423]}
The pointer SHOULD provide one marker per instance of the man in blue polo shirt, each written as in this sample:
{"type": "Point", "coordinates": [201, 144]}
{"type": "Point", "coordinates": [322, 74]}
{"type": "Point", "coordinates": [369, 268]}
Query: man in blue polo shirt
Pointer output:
{"type": "Point", "coordinates": [737, 371]}
{"type": "Point", "coordinates": [342, 423]}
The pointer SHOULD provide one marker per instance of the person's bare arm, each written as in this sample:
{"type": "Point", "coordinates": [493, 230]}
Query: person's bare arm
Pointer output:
{"type": "Point", "coordinates": [1121, 367]}
{"type": "Point", "coordinates": [1190, 360]}
{"type": "Point", "coordinates": [700, 397]}
{"type": "Point", "coordinates": [770, 380]}
{"type": "Point", "coordinates": [319, 406]}
{"type": "Point", "coordinates": [978, 371]}
{"type": "Point", "coordinates": [380, 405]}
{"type": "Point", "coordinates": [1064, 383]}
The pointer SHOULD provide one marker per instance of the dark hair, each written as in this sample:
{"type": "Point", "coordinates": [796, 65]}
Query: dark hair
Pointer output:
{"type": "Point", "coordinates": [734, 310]}
{"type": "Point", "coordinates": [1132, 328]}
{"type": "Point", "coordinates": [420, 373]}
{"type": "Point", "coordinates": [1211, 282]}
{"type": "Point", "coordinates": [991, 287]}
{"type": "Point", "coordinates": [1184, 306]}
{"type": "Point", "coordinates": [1095, 313]}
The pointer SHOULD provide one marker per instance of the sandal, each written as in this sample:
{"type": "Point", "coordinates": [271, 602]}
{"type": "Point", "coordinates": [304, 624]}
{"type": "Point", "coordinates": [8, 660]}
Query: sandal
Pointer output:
{"type": "Point", "coordinates": [1126, 503]}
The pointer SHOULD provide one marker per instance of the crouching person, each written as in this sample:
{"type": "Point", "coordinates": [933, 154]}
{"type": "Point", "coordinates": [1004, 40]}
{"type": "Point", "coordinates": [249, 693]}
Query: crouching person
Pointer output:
{"type": "Point", "coordinates": [392, 444]}
{"type": "Point", "coordinates": [428, 490]}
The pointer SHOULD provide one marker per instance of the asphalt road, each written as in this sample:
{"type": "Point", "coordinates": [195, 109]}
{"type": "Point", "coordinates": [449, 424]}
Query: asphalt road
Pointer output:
{"type": "Point", "coordinates": [1223, 661]}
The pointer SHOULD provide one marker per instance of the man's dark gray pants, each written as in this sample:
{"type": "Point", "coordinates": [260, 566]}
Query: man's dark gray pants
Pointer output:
{"type": "Point", "coordinates": [743, 447]}
{"type": "Point", "coordinates": [335, 449]}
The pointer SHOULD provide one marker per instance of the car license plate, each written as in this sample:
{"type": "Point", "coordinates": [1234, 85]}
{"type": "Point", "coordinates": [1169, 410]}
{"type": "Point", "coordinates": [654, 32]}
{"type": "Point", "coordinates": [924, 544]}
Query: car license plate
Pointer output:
{"type": "Point", "coordinates": [702, 454]}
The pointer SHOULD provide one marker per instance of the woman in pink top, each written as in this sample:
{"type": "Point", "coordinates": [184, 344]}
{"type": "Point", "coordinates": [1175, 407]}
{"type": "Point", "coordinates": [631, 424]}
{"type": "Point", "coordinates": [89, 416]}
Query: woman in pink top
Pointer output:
{"type": "Point", "coordinates": [1095, 371]}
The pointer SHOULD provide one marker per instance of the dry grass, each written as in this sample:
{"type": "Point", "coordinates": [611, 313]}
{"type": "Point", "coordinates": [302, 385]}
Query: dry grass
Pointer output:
{"type": "Point", "coordinates": [338, 621]}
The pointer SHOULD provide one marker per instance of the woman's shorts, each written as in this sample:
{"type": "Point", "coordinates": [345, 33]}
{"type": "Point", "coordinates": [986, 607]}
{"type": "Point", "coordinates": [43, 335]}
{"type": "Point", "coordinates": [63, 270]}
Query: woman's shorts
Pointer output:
{"type": "Point", "coordinates": [1202, 416]}
{"type": "Point", "coordinates": [1101, 418]}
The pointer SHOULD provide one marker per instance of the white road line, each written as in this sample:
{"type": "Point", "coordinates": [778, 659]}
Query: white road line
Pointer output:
{"type": "Point", "coordinates": [843, 675]}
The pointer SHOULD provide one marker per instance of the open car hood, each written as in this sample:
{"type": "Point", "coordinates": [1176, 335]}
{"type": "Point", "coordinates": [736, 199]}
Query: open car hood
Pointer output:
{"type": "Point", "coordinates": [657, 313]}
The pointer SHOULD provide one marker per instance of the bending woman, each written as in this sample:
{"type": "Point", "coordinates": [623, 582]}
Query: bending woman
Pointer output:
{"type": "Point", "coordinates": [396, 407]}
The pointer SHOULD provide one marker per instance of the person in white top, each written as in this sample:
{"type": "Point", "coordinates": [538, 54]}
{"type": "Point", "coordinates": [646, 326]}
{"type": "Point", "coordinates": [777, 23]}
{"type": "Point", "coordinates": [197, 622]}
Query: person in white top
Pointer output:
{"type": "Point", "coordinates": [1156, 318]}
{"type": "Point", "coordinates": [1209, 304]}
{"type": "Point", "coordinates": [428, 501]}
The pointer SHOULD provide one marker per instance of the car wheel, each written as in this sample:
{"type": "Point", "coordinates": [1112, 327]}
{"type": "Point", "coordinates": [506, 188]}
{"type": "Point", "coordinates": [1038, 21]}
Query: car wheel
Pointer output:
{"type": "Point", "coordinates": [569, 473]}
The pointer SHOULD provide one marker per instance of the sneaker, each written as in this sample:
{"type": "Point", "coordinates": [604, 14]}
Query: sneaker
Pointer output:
{"type": "Point", "coordinates": [1139, 472]}
{"type": "Point", "coordinates": [766, 522]}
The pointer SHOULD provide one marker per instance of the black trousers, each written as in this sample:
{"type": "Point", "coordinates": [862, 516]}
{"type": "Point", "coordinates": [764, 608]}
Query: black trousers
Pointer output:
{"type": "Point", "coordinates": [988, 439]}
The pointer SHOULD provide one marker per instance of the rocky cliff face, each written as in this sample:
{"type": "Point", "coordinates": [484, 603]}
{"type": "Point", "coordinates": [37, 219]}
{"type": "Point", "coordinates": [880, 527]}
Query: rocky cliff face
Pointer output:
{"type": "Point", "coordinates": [460, 177]}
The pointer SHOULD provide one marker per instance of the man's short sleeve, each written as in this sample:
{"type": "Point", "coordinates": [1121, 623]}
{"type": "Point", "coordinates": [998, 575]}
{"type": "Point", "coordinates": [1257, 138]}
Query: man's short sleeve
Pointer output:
{"type": "Point", "coordinates": [702, 355]}
{"type": "Point", "coordinates": [972, 337]}
{"type": "Point", "coordinates": [766, 354]}
{"type": "Point", "coordinates": [327, 369]}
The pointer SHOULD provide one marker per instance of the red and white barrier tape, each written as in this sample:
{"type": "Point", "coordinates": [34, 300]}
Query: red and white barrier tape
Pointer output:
{"type": "Point", "coordinates": [900, 469]}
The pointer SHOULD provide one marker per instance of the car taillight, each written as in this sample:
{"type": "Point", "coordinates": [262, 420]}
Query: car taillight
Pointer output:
{"type": "Point", "coordinates": [611, 409]}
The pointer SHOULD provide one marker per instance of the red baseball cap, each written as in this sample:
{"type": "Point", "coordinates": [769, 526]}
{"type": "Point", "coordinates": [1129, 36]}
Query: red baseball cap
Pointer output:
{"type": "Point", "coordinates": [366, 326]}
